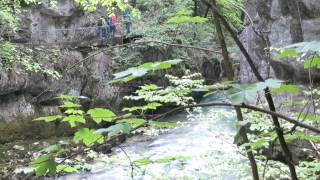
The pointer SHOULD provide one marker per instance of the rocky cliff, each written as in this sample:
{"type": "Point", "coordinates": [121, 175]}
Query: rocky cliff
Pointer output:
{"type": "Point", "coordinates": [25, 95]}
{"type": "Point", "coordinates": [279, 23]}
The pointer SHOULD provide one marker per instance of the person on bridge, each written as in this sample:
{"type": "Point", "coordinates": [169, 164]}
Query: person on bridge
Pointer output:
{"type": "Point", "coordinates": [127, 21]}
{"type": "Point", "coordinates": [112, 22]}
{"type": "Point", "coordinates": [102, 28]}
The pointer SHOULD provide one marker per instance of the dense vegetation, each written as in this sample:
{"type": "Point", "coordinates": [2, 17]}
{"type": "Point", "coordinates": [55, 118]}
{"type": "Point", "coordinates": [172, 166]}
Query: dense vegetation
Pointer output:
{"type": "Point", "coordinates": [185, 30]}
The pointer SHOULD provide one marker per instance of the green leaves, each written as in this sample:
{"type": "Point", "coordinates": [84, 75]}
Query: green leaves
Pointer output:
{"type": "Point", "coordinates": [44, 165]}
{"type": "Point", "coordinates": [186, 19]}
{"type": "Point", "coordinates": [100, 114]}
{"type": "Point", "coordinates": [69, 104]}
{"type": "Point", "coordinates": [65, 168]}
{"type": "Point", "coordinates": [49, 118]}
{"type": "Point", "coordinates": [247, 93]}
{"type": "Point", "coordinates": [134, 123]}
{"type": "Point", "coordinates": [287, 89]}
{"type": "Point", "coordinates": [116, 130]}
{"type": "Point", "coordinates": [313, 62]}
{"type": "Point", "coordinates": [88, 137]}
{"type": "Point", "coordinates": [242, 94]}
{"type": "Point", "coordinates": [135, 72]}
{"type": "Point", "coordinates": [73, 119]}
{"type": "Point", "coordinates": [287, 53]}
{"type": "Point", "coordinates": [150, 106]}
{"type": "Point", "coordinates": [185, 16]}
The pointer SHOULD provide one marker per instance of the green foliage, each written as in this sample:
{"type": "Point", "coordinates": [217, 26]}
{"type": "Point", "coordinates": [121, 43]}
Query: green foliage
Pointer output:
{"type": "Point", "coordinates": [118, 129]}
{"type": "Point", "coordinates": [150, 106]}
{"type": "Point", "coordinates": [134, 123]}
{"type": "Point", "coordinates": [178, 93]}
{"type": "Point", "coordinates": [88, 137]}
{"type": "Point", "coordinates": [44, 165]}
{"type": "Point", "coordinates": [69, 104]}
{"type": "Point", "coordinates": [135, 72]}
{"type": "Point", "coordinates": [313, 62]}
{"type": "Point", "coordinates": [74, 119]}
{"type": "Point", "coordinates": [287, 89]}
{"type": "Point", "coordinates": [66, 169]}
{"type": "Point", "coordinates": [100, 114]}
{"type": "Point", "coordinates": [247, 93]}
{"type": "Point", "coordinates": [185, 17]}
{"type": "Point", "coordinates": [287, 53]}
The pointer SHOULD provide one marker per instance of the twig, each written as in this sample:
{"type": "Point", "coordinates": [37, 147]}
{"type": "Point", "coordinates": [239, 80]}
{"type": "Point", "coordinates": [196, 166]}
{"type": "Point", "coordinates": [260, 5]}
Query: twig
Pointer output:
{"type": "Point", "coordinates": [131, 163]}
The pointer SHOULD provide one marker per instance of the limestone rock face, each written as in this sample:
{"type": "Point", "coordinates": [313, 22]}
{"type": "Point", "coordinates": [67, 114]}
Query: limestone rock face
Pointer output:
{"type": "Point", "coordinates": [61, 24]}
{"type": "Point", "coordinates": [280, 22]}
{"type": "Point", "coordinates": [26, 95]}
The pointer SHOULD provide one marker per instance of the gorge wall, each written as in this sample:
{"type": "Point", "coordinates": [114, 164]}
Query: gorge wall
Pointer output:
{"type": "Point", "coordinates": [26, 95]}
{"type": "Point", "coordinates": [279, 23]}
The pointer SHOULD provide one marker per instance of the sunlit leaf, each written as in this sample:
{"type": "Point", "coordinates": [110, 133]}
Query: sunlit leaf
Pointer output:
{"type": "Point", "coordinates": [116, 130]}
{"type": "Point", "coordinates": [134, 123]}
{"type": "Point", "coordinates": [70, 105]}
{"type": "Point", "coordinates": [100, 114]}
{"type": "Point", "coordinates": [287, 53]}
{"type": "Point", "coordinates": [73, 119]}
{"type": "Point", "coordinates": [66, 169]}
{"type": "Point", "coordinates": [287, 89]}
{"type": "Point", "coordinates": [88, 137]}
{"type": "Point", "coordinates": [313, 62]}
{"type": "Point", "coordinates": [44, 165]}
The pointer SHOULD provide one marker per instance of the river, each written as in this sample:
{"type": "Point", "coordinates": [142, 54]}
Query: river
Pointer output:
{"type": "Point", "coordinates": [201, 147]}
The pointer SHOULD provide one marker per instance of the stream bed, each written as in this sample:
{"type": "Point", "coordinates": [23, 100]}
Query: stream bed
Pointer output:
{"type": "Point", "coordinates": [201, 147]}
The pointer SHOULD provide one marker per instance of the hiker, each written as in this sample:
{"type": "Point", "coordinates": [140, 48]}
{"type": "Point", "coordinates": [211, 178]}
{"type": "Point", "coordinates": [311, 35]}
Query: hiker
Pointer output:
{"type": "Point", "coordinates": [127, 21]}
{"type": "Point", "coordinates": [102, 28]}
{"type": "Point", "coordinates": [112, 21]}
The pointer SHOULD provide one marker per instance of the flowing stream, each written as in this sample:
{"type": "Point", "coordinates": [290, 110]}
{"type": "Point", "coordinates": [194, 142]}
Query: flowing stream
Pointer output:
{"type": "Point", "coordinates": [199, 148]}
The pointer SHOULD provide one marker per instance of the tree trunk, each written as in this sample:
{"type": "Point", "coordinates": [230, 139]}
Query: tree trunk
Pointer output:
{"type": "Point", "coordinates": [286, 152]}
{"type": "Point", "coordinates": [230, 75]}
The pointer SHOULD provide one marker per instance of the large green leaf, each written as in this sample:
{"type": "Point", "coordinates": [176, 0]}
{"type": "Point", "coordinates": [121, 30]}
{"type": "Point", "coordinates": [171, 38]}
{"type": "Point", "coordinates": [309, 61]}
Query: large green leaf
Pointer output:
{"type": "Point", "coordinates": [134, 123]}
{"type": "Point", "coordinates": [313, 62]}
{"type": "Point", "coordinates": [88, 137]}
{"type": "Point", "coordinates": [287, 89]}
{"type": "Point", "coordinates": [70, 105]}
{"type": "Point", "coordinates": [49, 118]}
{"type": "Point", "coordinates": [66, 169]}
{"type": "Point", "coordinates": [287, 53]}
{"type": "Point", "coordinates": [44, 165]}
{"type": "Point", "coordinates": [150, 106]}
{"type": "Point", "coordinates": [135, 72]}
{"type": "Point", "coordinates": [100, 114]}
{"type": "Point", "coordinates": [242, 94]}
{"type": "Point", "coordinates": [73, 119]}
{"type": "Point", "coordinates": [116, 130]}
